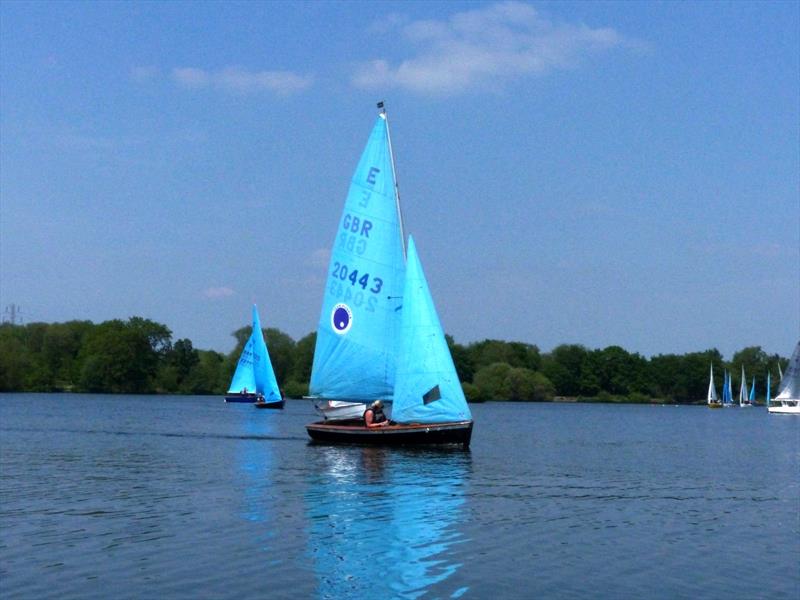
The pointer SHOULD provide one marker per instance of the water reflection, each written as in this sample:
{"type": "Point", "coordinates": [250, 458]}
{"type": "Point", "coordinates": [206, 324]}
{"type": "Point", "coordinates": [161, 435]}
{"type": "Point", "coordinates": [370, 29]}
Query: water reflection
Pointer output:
{"type": "Point", "coordinates": [383, 521]}
{"type": "Point", "coordinates": [255, 462]}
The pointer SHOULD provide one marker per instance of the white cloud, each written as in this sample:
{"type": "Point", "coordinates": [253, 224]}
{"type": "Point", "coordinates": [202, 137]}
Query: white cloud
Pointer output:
{"type": "Point", "coordinates": [482, 49]}
{"type": "Point", "coordinates": [218, 292]}
{"type": "Point", "coordinates": [237, 79]}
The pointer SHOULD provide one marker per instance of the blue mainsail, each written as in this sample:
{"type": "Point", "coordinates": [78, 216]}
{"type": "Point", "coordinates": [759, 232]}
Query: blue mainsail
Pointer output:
{"type": "Point", "coordinates": [752, 397]}
{"type": "Point", "coordinates": [427, 389]}
{"type": "Point", "coordinates": [727, 395]}
{"type": "Point", "coordinates": [254, 371]}
{"type": "Point", "coordinates": [356, 346]}
{"type": "Point", "coordinates": [766, 398]}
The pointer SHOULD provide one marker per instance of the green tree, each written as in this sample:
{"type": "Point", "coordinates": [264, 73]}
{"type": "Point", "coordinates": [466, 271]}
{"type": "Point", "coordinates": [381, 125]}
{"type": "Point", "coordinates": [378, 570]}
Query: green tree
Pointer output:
{"type": "Point", "coordinates": [755, 362]}
{"type": "Point", "coordinates": [516, 354]}
{"type": "Point", "coordinates": [471, 392]}
{"type": "Point", "coordinates": [123, 357]}
{"type": "Point", "coordinates": [304, 358]}
{"type": "Point", "coordinates": [462, 360]}
{"type": "Point", "coordinates": [563, 367]}
{"type": "Point", "coordinates": [489, 381]}
{"type": "Point", "coordinates": [15, 359]}
{"type": "Point", "coordinates": [501, 381]}
{"type": "Point", "coordinates": [209, 375]}
{"type": "Point", "coordinates": [281, 352]}
{"type": "Point", "coordinates": [527, 386]}
{"type": "Point", "coordinates": [60, 351]}
{"type": "Point", "coordinates": [176, 367]}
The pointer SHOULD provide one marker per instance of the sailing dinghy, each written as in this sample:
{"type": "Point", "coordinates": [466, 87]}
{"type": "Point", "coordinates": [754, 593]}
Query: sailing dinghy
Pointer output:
{"type": "Point", "coordinates": [744, 398]}
{"type": "Point", "coordinates": [254, 379]}
{"type": "Point", "coordinates": [787, 402]}
{"type": "Point", "coordinates": [429, 404]}
{"type": "Point", "coordinates": [355, 353]}
{"type": "Point", "coordinates": [727, 394]}
{"type": "Point", "coordinates": [369, 341]}
{"type": "Point", "coordinates": [712, 399]}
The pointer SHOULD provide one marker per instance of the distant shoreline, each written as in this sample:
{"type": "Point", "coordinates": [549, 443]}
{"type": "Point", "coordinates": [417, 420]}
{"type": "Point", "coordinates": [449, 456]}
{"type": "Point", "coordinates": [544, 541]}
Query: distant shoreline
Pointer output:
{"type": "Point", "coordinates": [555, 400]}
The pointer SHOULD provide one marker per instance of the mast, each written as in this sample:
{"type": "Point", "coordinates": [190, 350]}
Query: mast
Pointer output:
{"type": "Point", "coordinates": [394, 174]}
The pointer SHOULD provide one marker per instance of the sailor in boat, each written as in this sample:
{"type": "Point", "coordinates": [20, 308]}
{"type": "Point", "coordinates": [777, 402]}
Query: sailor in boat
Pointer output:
{"type": "Point", "coordinates": [374, 416]}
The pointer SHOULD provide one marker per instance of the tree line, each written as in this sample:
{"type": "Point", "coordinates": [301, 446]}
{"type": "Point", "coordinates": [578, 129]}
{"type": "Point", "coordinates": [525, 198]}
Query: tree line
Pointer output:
{"type": "Point", "coordinates": [138, 356]}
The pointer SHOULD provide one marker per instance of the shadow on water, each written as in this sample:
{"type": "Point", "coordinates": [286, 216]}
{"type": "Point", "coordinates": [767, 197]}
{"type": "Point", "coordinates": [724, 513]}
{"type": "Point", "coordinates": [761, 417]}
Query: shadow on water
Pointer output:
{"type": "Point", "coordinates": [382, 522]}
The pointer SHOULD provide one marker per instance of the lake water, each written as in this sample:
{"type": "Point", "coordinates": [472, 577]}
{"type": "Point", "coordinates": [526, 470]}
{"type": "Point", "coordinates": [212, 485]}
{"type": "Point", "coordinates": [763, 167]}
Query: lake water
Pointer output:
{"type": "Point", "coordinates": [188, 497]}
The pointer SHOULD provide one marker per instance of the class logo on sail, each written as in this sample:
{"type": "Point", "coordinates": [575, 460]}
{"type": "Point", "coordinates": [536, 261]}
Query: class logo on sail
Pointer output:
{"type": "Point", "coordinates": [341, 318]}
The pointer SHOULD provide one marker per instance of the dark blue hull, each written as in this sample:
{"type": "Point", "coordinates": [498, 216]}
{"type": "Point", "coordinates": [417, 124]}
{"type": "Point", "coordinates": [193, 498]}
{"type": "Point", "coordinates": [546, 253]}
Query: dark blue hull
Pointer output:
{"type": "Point", "coordinates": [393, 435]}
{"type": "Point", "coordinates": [278, 404]}
{"type": "Point", "coordinates": [251, 398]}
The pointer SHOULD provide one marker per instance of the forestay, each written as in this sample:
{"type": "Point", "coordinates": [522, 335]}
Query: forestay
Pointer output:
{"type": "Point", "coordinates": [427, 389]}
{"type": "Point", "coordinates": [356, 345]}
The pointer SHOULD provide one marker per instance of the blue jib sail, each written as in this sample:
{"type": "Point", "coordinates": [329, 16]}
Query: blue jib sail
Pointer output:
{"type": "Point", "coordinates": [254, 370]}
{"type": "Point", "coordinates": [427, 389]}
{"type": "Point", "coordinates": [355, 352]}
{"type": "Point", "coordinates": [769, 384]}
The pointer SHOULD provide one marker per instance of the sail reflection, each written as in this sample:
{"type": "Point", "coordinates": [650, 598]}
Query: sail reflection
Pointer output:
{"type": "Point", "coordinates": [383, 521]}
{"type": "Point", "coordinates": [254, 458]}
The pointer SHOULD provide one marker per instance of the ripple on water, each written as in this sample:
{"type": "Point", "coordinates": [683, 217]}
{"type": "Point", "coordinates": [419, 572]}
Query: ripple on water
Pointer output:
{"type": "Point", "coordinates": [171, 497]}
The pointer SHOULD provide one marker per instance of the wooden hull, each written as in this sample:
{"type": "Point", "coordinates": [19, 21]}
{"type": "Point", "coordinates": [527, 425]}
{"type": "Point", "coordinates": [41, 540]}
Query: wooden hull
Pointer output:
{"type": "Point", "coordinates": [459, 432]}
{"type": "Point", "coordinates": [715, 405]}
{"type": "Point", "coordinates": [270, 404]}
{"type": "Point", "coordinates": [241, 397]}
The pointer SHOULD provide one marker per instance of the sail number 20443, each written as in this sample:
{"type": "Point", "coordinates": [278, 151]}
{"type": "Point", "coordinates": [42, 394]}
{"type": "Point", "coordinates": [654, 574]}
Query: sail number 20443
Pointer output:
{"type": "Point", "coordinates": [341, 272]}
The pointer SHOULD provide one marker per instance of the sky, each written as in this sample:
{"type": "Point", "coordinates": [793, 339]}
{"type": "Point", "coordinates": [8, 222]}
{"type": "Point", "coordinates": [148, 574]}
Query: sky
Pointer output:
{"type": "Point", "coordinates": [592, 173]}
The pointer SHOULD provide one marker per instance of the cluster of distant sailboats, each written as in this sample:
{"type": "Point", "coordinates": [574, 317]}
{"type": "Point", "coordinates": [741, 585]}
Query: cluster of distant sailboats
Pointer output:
{"type": "Point", "coordinates": [786, 402]}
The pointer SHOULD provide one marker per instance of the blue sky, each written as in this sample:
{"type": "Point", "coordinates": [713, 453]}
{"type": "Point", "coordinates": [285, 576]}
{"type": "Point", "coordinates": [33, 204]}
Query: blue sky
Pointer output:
{"type": "Point", "coordinates": [594, 173]}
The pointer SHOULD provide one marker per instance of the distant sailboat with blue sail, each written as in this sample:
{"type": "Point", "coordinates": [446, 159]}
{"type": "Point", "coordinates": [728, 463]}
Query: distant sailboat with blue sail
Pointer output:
{"type": "Point", "coordinates": [254, 379]}
{"type": "Point", "coordinates": [389, 345]}
{"type": "Point", "coordinates": [727, 395]}
{"type": "Point", "coordinates": [769, 388]}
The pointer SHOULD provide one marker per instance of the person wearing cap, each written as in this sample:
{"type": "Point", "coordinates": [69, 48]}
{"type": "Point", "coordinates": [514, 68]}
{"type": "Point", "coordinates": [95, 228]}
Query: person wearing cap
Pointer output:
{"type": "Point", "coordinates": [374, 417]}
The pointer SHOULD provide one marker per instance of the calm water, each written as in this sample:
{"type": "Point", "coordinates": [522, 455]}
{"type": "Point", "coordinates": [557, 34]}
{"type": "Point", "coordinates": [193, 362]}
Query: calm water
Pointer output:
{"type": "Point", "coordinates": [145, 497]}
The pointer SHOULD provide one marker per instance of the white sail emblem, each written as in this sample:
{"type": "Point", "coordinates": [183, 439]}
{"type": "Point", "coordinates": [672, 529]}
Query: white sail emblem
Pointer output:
{"type": "Point", "coordinates": [341, 318]}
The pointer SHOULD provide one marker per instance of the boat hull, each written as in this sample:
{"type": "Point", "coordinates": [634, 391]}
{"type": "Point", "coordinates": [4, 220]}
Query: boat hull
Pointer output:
{"type": "Point", "coordinates": [339, 410]}
{"type": "Point", "coordinates": [392, 435]}
{"type": "Point", "coordinates": [278, 404]}
{"type": "Point", "coordinates": [715, 405]}
{"type": "Point", "coordinates": [237, 397]}
{"type": "Point", "coordinates": [791, 407]}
